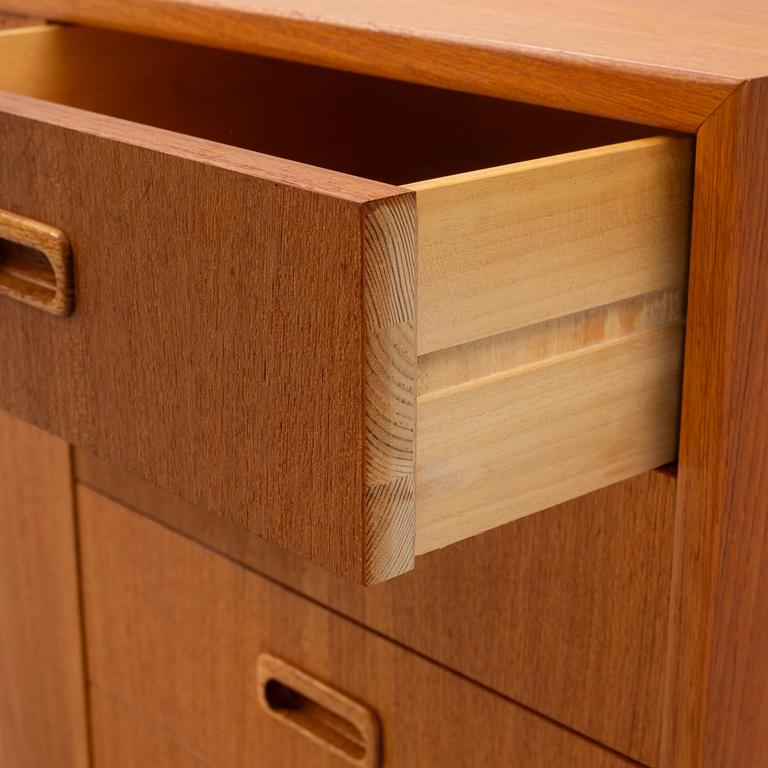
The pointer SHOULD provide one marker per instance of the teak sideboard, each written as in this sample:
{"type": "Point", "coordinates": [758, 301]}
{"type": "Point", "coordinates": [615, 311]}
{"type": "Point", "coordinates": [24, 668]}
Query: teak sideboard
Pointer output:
{"type": "Point", "coordinates": [383, 384]}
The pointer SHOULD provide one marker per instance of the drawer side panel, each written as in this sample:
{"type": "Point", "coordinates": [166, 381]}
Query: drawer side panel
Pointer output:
{"type": "Point", "coordinates": [507, 247]}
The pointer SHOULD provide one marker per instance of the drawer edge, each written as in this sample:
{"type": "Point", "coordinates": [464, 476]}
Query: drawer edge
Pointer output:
{"type": "Point", "coordinates": [389, 365]}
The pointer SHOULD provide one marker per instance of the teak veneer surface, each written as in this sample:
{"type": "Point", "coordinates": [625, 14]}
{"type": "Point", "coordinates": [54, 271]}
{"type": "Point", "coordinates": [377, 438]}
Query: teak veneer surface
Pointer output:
{"type": "Point", "coordinates": [651, 61]}
{"type": "Point", "coordinates": [717, 696]}
{"type": "Point", "coordinates": [42, 682]}
{"type": "Point", "coordinates": [131, 199]}
{"type": "Point", "coordinates": [571, 599]}
{"type": "Point", "coordinates": [703, 36]}
{"type": "Point", "coordinates": [190, 665]}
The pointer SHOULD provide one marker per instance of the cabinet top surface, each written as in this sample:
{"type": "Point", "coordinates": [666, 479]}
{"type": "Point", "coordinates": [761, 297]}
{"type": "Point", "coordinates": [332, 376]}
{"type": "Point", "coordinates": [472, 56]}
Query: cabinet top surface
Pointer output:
{"type": "Point", "coordinates": [704, 36]}
{"type": "Point", "coordinates": [678, 60]}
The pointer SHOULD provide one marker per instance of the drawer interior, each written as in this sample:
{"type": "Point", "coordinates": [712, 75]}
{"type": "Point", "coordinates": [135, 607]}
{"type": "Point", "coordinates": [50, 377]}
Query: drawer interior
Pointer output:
{"type": "Point", "coordinates": [380, 129]}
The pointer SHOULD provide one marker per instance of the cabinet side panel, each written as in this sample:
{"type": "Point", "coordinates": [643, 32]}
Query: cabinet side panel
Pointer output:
{"type": "Point", "coordinates": [717, 694]}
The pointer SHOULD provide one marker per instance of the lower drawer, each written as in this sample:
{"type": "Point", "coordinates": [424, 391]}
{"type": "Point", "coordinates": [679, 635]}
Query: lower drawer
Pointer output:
{"type": "Point", "coordinates": [178, 636]}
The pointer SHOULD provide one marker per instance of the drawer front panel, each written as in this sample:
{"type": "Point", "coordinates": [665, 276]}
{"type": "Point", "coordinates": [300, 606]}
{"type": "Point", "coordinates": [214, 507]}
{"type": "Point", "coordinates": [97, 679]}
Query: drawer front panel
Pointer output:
{"type": "Point", "coordinates": [175, 633]}
{"type": "Point", "coordinates": [219, 345]}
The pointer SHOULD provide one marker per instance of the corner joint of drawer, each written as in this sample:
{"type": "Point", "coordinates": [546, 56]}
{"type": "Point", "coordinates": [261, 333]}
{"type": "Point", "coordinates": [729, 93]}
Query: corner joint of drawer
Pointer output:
{"type": "Point", "coordinates": [389, 382]}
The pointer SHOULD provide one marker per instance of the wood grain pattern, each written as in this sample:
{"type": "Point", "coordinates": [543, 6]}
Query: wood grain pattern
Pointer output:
{"type": "Point", "coordinates": [571, 599]}
{"type": "Point", "coordinates": [190, 665]}
{"type": "Point", "coordinates": [389, 384]}
{"type": "Point", "coordinates": [122, 740]}
{"type": "Point", "coordinates": [230, 388]}
{"type": "Point", "coordinates": [717, 694]}
{"type": "Point", "coordinates": [502, 248]}
{"type": "Point", "coordinates": [533, 432]}
{"type": "Point", "coordinates": [42, 682]}
{"type": "Point", "coordinates": [455, 366]}
{"type": "Point", "coordinates": [39, 273]}
{"type": "Point", "coordinates": [520, 441]}
{"type": "Point", "coordinates": [673, 74]}
{"type": "Point", "coordinates": [573, 55]}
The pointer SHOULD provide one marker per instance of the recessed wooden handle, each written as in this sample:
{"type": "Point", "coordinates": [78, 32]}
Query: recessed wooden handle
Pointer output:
{"type": "Point", "coordinates": [328, 717]}
{"type": "Point", "coordinates": [35, 264]}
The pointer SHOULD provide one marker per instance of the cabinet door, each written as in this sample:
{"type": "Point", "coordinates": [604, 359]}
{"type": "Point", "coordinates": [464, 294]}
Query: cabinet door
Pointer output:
{"type": "Point", "coordinates": [42, 699]}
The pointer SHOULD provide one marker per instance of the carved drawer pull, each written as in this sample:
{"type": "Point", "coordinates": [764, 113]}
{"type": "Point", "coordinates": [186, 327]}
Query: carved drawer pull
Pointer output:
{"type": "Point", "coordinates": [35, 264]}
{"type": "Point", "coordinates": [346, 727]}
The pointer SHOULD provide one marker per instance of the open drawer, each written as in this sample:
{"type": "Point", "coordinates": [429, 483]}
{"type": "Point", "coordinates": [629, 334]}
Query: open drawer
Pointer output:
{"type": "Point", "coordinates": [252, 301]}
